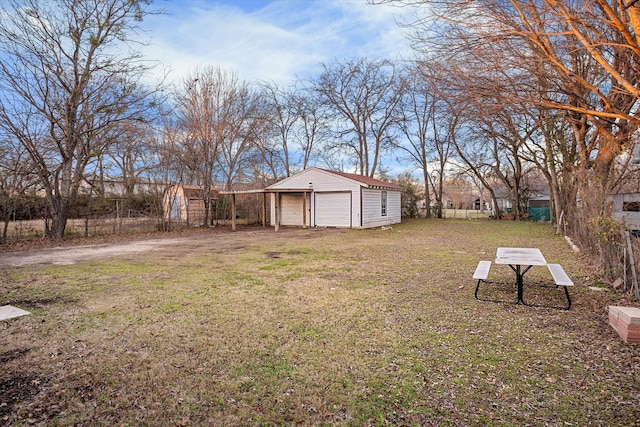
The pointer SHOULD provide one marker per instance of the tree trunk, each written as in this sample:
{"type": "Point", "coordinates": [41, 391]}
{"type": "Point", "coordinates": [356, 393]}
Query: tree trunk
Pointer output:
{"type": "Point", "coordinates": [494, 200]}
{"type": "Point", "coordinates": [440, 190]}
{"type": "Point", "coordinates": [5, 231]}
{"type": "Point", "coordinates": [59, 218]}
{"type": "Point", "coordinates": [427, 193]}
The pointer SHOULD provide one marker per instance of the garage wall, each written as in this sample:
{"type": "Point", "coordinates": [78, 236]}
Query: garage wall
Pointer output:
{"type": "Point", "coordinates": [372, 208]}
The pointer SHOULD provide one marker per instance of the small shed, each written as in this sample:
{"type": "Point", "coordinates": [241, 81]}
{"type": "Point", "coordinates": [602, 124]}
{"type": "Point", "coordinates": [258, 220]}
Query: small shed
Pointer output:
{"type": "Point", "coordinates": [185, 203]}
{"type": "Point", "coordinates": [321, 198]}
{"type": "Point", "coordinates": [538, 208]}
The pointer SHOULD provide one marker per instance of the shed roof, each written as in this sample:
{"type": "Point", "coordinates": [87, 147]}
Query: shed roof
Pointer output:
{"type": "Point", "coordinates": [196, 192]}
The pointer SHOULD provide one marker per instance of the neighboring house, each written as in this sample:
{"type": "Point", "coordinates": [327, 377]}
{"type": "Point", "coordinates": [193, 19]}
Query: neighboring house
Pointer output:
{"type": "Point", "coordinates": [625, 208]}
{"type": "Point", "coordinates": [504, 205]}
{"type": "Point", "coordinates": [447, 203]}
{"type": "Point", "coordinates": [116, 188]}
{"type": "Point", "coordinates": [480, 205]}
{"type": "Point", "coordinates": [185, 203]}
{"type": "Point", "coordinates": [502, 200]}
{"type": "Point", "coordinates": [321, 198]}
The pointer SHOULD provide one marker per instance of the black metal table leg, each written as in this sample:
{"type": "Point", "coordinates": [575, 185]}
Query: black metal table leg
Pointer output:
{"type": "Point", "coordinates": [520, 280]}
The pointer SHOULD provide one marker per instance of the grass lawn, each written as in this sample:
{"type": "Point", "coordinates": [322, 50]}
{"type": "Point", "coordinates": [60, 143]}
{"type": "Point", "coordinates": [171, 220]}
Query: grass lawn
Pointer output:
{"type": "Point", "coordinates": [313, 327]}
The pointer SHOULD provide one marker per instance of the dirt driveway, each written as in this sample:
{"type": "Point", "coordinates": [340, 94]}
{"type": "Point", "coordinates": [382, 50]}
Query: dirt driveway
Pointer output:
{"type": "Point", "coordinates": [215, 240]}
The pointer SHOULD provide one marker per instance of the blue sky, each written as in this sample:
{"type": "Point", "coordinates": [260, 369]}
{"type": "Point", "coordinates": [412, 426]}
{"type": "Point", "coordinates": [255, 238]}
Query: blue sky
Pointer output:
{"type": "Point", "coordinates": [275, 40]}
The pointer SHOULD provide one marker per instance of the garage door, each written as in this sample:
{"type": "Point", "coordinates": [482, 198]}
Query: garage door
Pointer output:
{"type": "Point", "coordinates": [333, 209]}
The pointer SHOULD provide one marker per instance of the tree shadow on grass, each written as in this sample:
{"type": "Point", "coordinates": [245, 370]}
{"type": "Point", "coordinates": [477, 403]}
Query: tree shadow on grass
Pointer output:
{"type": "Point", "coordinates": [18, 387]}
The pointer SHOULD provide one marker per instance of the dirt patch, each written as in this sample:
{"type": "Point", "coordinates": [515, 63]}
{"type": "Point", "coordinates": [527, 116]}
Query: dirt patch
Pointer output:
{"type": "Point", "coordinates": [72, 255]}
{"type": "Point", "coordinates": [218, 240]}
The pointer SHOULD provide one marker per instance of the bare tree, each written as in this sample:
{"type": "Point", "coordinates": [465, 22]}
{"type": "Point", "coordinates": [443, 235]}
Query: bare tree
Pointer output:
{"type": "Point", "coordinates": [480, 160]}
{"type": "Point", "coordinates": [312, 130]}
{"type": "Point", "coordinates": [551, 149]}
{"type": "Point", "coordinates": [425, 125]}
{"type": "Point", "coordinates": [282, 116]}
{"type": "Point", "coordinates": [417, 110]}
{"type": "Point", "coordinates": [363, 97]}
{"type": "Point", "coordinates": [508, 128]}
{"type": "Point", "coordinates": [579, 57]}
{"type": "Point", "coordinates": [167, 166]}
{"type": "Point", "coordinates": [297, 127]}
{"type": "Point", "coordinates": [16, 178]}
{"type": "Point", "coordinates": [131, 154]}
{"type": "Point", "coordinates": [442, 143]}
{"type": "Point", "coordinates": [247, 120]}
{"type": "Point", "coordinates": [67, 72]}
{"type": "Point", "coordinates": [206, 116]}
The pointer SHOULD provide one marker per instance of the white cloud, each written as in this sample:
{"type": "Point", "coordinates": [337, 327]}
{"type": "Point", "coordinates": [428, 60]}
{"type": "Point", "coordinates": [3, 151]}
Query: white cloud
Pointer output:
{"type": "Point", "coordinates": [277, 40]}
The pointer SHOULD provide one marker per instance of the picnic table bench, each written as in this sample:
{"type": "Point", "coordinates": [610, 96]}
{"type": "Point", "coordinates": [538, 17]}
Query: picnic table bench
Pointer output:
{"type": "Point", "coordinates": [482, 271]}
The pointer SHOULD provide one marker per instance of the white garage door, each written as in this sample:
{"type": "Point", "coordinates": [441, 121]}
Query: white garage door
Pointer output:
{"type": "Point", "coordinates": [333, 209]}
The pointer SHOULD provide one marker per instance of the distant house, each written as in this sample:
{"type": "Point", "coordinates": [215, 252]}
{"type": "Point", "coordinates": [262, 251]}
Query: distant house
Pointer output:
{"type": "Point", "coordinates": [625, 208]}
{"type": "Point", "coordinates": [116, 187]}
{"type": "Point", "coordinates": [447, 203]}
{"type": "Point", "coordinates": [503, 204]}
{"type": "Point", "coordinates": [321, 198]}
{"type": "Point", "coordinates": [480, 205]}
{"type": "Point", "coordinates": [185, 203]}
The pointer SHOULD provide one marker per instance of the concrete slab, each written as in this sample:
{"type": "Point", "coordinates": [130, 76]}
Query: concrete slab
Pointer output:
{"type": "Point", "coordinates": [630, 315]}
{"type": "Point", "coordinates": [9, 312]}
{"type": "Point", "coordinates": [626, 322]}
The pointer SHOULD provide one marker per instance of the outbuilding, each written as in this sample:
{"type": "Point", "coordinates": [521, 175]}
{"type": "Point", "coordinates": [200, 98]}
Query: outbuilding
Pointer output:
{"type": "Point", "coordinates": [538, 208]}
{"type": "Point", "coordinates": [186, 203]}
{"type": "Point", "coordinates": [322, 198]}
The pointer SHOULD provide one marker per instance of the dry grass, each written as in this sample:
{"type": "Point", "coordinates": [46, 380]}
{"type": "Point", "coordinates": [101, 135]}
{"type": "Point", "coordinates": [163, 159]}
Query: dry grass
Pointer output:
{"type": "Point", "coordinates": [313, 327]}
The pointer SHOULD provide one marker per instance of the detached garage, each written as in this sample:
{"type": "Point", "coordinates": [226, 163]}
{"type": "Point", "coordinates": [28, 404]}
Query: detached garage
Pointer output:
{"type": "Point", "coordinates": [321, 198]}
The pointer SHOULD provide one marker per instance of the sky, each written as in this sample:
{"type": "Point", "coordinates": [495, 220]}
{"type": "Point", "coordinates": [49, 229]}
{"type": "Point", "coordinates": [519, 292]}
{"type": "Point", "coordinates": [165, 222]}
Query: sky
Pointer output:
{"type": "Point", "coordinates": [270, 40]}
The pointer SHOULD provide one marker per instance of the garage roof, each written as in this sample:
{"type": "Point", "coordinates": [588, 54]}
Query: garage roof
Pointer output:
{"type": "Point", "coordinates": [368, 181]}
{"type": "Point", "coordinates": [360, 179]}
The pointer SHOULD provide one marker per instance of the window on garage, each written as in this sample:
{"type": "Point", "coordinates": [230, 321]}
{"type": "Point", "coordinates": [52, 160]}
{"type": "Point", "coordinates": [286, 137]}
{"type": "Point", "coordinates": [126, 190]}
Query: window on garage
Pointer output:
{"type": "Point", "coordinates": [383, 203]}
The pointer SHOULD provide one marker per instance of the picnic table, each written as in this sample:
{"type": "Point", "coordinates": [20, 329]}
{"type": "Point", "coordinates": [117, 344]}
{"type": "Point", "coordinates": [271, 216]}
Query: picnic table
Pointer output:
{"type": "Point", "coordinates": [521, 260]}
